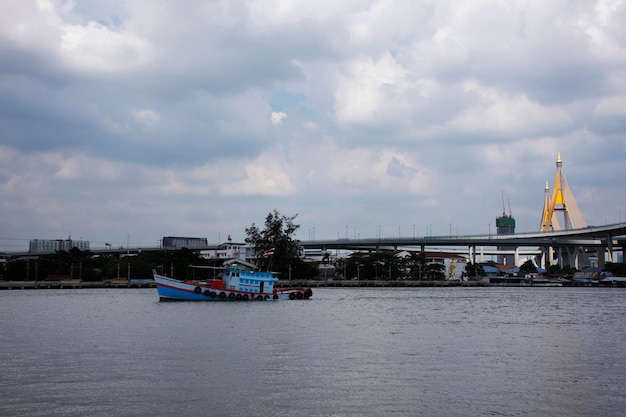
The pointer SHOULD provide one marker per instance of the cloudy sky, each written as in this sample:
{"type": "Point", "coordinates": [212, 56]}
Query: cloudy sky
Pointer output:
{"type": "Point", "coordinates": [130, 120]}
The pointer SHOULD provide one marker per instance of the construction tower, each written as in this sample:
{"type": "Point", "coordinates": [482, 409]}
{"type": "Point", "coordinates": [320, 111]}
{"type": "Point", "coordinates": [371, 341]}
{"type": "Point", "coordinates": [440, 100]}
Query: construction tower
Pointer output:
{"type": "Point", "coordinates": [505, 226]}
{"type": "Point", "coordinates": [562, 200]}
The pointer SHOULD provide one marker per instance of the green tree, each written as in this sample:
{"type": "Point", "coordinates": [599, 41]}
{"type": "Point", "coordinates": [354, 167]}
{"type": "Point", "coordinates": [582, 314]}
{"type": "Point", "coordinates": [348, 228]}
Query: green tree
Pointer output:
{"type": "Point", "coordinates": [74, 263]}
{"type": "Point", "coordinates": [359, 266]}
{"type": "Point", "coordinates": [618, 269]}
{"type": "Point", "coordinates": [369, 266]}
{"type": "Point", "coordinates": [18, 271]}
{"type": "Point", "coordinates": [415, 265]}
{"type": "Point", "coordinates": [276, 249]}
{"type": "Point", "coordinates": [387, 265]}
{"type": "Point", "coordinates": [565, 271]}
{"type": "Point", "coordinates": [473, 270]}
{"type": "Point", "coordinates": [527, 267]}
{"type": "Point", "coordinates": [568, 270]}
{"type": "Point", "coordinates": [435, 271]}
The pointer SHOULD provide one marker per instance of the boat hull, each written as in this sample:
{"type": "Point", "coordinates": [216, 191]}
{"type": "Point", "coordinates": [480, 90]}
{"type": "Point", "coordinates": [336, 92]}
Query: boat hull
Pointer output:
{"type": "Point", "coordinates": [174, 290]}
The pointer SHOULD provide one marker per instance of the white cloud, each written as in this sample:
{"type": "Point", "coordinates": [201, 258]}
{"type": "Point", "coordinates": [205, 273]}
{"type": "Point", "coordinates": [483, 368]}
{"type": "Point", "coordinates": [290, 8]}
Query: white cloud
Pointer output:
{"type": "Point", "coordinates": [371, 91]}
{"type": "Point", "coordinates": [44, 28]}
{"type": "Point", "coordinates": [95, 48]}
{"type": "Point", "coordinates": [265, 176]}
{"type": "Point", "coordinates": [278, 117]}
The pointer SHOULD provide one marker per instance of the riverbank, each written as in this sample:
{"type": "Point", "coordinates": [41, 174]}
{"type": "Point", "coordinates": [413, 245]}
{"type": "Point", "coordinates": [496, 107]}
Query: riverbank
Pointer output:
{"type": "Point", "coordinates": [380, 283]}
{"type": "Point", "coordinates": [75, 283]}
{"type": "Point", "coordinates": [123, 283]}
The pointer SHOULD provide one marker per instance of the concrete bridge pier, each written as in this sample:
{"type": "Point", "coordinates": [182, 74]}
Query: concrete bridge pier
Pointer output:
{"type": "Point", "coordinates": [547, 254]}
{"type": "Point", "coordinates": [609, 247]}
{"type": "Point", "coordinates": [471, 250]}
{"type": "Point", "coordinates": [570, 258]}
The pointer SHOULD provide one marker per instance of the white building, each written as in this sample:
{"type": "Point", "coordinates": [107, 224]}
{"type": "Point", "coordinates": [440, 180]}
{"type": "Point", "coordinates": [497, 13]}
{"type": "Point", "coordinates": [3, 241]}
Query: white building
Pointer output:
{"type": "Point", "coordinates": [230, 250]}
{"type": "Point", "coordinates": [51, 246]}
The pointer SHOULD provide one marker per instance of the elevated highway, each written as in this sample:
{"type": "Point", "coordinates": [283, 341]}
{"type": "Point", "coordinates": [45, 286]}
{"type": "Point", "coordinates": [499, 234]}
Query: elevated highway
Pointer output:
{"type": "Point", "coordinates": [565, 243]}
{"type": "Point", "coordinates": [589, 236]}
{"type": "Point", "coordinates": [566, 246]}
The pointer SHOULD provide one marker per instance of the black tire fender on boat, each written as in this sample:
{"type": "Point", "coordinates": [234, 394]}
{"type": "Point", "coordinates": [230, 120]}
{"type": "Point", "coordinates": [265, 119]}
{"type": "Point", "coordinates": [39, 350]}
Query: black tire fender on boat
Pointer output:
{"type": "Point", "coordinates": [213, 294]}
{"type": "Point", "coordinates": [267, 297]}
{"type": "Point", "coordinates": [222, 294]}
{"type": "Point", "coordinates": [197, 290]}
{"type": "Point", "coordinates": [207, 293]}
{"type": "Point", "coordinates": [231, 295]}
{"type": "Point", "coordinates": [299, 295]}
{"type": "Point", "coordinates": [292, 296]}
{"type": "Point", "coordinates": [259, 297]}
{"type": "Point", "coordinates": [238, 296]}
{"type": "Point", "coordinates": [245, 297]}
{"type": "Point", "coordinates": [275, 296]}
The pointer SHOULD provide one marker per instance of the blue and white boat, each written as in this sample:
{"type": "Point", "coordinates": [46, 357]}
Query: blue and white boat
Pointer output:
{"type": "Point", "coordinates": [238, 282]}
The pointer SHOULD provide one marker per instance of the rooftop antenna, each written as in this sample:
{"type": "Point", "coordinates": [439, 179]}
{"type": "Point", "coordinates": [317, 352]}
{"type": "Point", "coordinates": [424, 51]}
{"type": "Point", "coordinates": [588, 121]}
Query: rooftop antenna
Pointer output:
{"type": "Point", "coordinates": [503, 209]}
{"type": "Point", "coordinates": [509, 201]}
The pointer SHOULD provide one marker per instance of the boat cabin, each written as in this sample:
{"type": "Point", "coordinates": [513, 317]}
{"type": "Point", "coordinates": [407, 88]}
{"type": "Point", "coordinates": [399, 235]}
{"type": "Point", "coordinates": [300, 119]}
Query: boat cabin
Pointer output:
{"type": "Point", "coordinates": [241, 276]}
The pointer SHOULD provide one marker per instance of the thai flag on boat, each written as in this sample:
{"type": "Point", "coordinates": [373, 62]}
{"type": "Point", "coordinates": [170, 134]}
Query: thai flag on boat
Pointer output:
{"type": "Point", "coordinates": [269, 252]}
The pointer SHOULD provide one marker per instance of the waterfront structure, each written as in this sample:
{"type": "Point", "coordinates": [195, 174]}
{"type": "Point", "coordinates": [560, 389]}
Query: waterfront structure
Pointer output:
{"type": "Point", "coordinates": [53, 245]}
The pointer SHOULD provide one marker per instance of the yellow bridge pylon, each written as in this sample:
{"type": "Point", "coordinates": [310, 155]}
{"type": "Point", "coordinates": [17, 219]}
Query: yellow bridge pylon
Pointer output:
{"type": "Point", "coordinates": [562, 200]}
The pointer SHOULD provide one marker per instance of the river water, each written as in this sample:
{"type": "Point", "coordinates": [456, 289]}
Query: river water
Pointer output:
{"type": "Point", "coordinates": [345, 352]}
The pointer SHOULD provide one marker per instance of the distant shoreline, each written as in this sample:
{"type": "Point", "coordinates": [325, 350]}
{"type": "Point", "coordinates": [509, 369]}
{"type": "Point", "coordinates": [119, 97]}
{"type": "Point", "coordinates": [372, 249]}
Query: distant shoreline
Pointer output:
{"type": "Point", "coordinates": [123, 283]}
{"type": "Point", "coordinates": [148, 283]}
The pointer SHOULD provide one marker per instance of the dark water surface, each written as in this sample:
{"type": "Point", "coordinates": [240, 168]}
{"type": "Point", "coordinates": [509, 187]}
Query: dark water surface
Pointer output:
{"type": "Point", "coordinates": [345, 352]}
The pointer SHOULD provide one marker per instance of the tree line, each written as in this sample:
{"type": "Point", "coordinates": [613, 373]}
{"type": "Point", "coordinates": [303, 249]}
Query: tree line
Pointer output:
{"type": "Point", "coordinates": [87, 266]}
